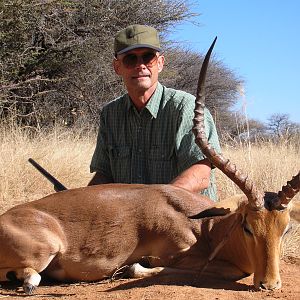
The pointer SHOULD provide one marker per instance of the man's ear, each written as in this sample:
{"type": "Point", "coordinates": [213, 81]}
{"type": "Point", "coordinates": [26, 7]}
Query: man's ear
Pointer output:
{"type": "Point", "coordinates": [116, 65]}
{"type": "Point", "coordinates": [160, 63]}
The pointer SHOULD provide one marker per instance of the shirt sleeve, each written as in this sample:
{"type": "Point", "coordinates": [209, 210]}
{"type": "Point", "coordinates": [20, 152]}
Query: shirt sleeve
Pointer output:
{"type": "Point", "coordinates": [188, 152]}
{"type": "Point", "coordinates": [100, 160]}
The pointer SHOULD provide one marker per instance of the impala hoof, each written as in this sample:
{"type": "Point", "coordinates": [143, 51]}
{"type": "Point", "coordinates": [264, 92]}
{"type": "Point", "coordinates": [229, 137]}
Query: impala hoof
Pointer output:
{"type": "Point", "coordinates": [270, 286]}
{"type": "Point", "coordinates": [29, 288]}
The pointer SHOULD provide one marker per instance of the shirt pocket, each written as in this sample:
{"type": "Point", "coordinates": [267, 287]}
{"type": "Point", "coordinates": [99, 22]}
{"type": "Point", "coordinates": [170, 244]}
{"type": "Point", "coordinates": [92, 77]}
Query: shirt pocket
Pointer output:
{"type": "Point", "coordinates": [120, 161]}
{"type": "Point", "coordinates": [161, 163]}
{"type": "Point", "coordinates": [161, 152]}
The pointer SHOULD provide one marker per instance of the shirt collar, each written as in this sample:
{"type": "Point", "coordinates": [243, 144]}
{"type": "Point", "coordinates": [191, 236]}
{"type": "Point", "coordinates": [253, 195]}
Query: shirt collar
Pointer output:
{"type": "Point", "coordinates": [154, 102]}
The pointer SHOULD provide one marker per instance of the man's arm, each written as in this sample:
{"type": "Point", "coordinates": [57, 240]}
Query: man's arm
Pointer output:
{"type": "Point", "coordinates": [99, 178]}
{"type": "Point", "coordinates": [100, 159]}
{"type": "Point", "coordinates": [195, 178]}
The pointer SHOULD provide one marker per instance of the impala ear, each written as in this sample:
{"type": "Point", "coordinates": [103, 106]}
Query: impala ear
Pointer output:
{"type": "Point", "coordinates": [212, 212]}
{"type": "Point", "coordinates": [223, 208]}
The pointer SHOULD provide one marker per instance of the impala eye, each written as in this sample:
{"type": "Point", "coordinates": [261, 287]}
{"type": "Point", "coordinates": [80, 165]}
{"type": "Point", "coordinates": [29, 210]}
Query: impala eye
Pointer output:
{"type": "Point", "coordinates": [246, 229]}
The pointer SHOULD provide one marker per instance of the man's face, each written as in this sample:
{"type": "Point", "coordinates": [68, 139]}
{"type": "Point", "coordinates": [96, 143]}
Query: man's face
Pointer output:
{"type": "Point", "coordinates": [139, 68]}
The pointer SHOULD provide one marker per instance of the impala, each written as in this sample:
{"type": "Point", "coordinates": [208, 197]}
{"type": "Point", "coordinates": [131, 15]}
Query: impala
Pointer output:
{"type": "Point", "coordinates": [89, 233]}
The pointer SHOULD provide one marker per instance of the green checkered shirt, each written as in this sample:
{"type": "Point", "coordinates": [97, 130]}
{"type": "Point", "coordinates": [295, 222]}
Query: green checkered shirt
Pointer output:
{"type": "Point", "coordinates": [153, 145]}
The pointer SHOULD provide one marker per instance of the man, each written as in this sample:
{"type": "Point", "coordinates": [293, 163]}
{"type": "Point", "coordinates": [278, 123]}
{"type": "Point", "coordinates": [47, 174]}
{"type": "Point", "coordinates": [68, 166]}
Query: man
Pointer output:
{"type": "Point", "coordinates": [145, 135]}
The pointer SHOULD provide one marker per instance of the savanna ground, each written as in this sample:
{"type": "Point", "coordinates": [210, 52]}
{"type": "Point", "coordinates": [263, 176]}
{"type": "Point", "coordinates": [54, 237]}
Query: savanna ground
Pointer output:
{"type": "Point", "coordinates": [67, 157]}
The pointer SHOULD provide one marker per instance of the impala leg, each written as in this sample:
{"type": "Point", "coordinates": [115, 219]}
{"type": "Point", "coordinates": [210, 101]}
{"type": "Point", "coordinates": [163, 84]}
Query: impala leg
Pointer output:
{"type": "Point", "coordinates": [138, 271]}
{"type": "Point", "coordinates": [31, 279]}
{"type": "Point", "coordinates": [225, 270]}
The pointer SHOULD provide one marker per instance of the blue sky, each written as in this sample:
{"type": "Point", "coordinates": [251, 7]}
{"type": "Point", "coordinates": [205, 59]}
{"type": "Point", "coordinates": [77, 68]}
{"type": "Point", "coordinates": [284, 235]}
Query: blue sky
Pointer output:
{"type": "Point", "coordinates": [260, 41]}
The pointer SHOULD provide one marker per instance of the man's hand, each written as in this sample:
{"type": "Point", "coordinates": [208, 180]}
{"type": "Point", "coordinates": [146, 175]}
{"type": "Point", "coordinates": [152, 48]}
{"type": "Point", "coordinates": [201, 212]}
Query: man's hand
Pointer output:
{"type": "Point", "coordinates": [195, 178]}
{"type": "Point", "coordinates": [99, 179]}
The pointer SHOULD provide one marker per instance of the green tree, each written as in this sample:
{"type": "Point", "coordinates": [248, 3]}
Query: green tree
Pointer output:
{"type": "Point", "coordinates": [56, 58]}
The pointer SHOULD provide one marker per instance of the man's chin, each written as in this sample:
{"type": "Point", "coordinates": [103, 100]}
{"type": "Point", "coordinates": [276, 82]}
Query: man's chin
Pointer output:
{"type": "Point", "coordinates": [143, 84]}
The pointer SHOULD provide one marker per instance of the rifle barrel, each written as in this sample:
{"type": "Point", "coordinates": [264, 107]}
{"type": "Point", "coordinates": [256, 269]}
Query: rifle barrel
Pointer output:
{"type": "Point", "coordinates": [57, 185]}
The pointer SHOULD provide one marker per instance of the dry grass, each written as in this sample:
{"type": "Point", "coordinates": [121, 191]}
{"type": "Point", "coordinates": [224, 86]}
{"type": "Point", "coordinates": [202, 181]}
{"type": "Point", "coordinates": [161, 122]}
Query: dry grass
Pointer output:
{"type": "Point", "coordinates": [269, 165]}
{"type": "Point", "coordinates": [67, 156]}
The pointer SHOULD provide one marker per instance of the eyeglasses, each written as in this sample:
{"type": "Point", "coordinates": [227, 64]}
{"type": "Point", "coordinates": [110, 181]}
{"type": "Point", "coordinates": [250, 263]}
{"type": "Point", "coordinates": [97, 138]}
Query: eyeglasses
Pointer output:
{"type": "Point", "coordinates": [131, 60]}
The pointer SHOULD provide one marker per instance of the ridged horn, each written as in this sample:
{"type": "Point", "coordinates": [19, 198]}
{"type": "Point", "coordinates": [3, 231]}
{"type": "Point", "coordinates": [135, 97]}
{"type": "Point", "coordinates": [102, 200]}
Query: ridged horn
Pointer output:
{"type": "Point", "coordinates": [289, 190]}
{"type": "Point", "coordinates": [254, 196]}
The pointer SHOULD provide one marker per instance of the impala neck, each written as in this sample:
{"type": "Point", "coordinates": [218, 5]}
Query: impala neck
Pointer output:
{"type": "Point", "coordinates": [235, 249]}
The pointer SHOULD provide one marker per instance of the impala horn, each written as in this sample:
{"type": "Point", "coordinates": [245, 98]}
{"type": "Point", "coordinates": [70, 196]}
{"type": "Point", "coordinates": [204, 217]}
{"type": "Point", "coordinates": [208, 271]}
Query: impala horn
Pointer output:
{"type": "Point", "coordinates": [254, 196]}
{"type": "Point", "coordinates": [289, 191]}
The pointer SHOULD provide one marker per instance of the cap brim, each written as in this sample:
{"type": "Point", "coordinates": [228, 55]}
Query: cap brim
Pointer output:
{"type": "Point", "coordinates": [138, 46]}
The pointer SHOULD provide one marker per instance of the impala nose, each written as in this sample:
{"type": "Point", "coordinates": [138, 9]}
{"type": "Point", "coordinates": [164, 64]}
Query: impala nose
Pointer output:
{"type": "Point", "coordinates": [270, 285]}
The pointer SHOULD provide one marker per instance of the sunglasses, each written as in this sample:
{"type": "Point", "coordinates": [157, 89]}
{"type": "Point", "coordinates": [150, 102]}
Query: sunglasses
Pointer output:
{"type": "Point", "coordinates": [131, 60]}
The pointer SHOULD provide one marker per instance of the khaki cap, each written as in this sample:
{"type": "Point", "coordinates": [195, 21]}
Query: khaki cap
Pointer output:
{"type": "Point", "coordinates": [136, 36]}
